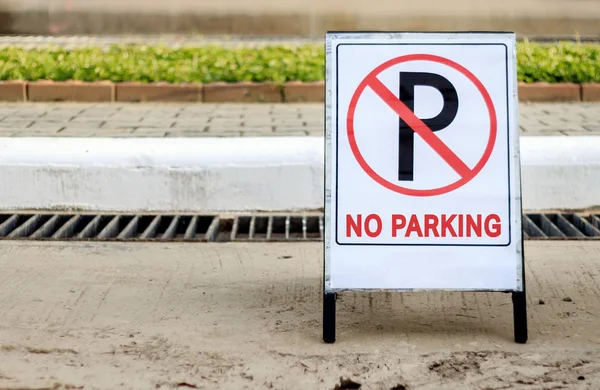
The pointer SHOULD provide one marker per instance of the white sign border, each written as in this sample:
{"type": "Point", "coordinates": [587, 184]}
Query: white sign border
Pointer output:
{"type": "Point", "coordinates": [329, 235]}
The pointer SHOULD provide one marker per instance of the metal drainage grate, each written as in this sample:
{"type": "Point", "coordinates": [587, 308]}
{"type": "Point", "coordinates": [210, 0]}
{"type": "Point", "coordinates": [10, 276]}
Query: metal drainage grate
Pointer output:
{"type": "Point", "coordinates": [161, 227]}
{"type": "Point", "coordinates": [561, 226]}
{"type": "Point", "coordinates": [255, 227]}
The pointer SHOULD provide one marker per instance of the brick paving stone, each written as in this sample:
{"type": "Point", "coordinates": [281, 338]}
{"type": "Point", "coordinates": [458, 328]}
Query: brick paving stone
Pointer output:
{"type": "Point", "coordinates": [259, 129]}
{"type": "Point", "coordinates": [203, 117]}
{"type": "Point", "coordinates": [8, 132]}
{"type": "Point", "coordinates": [570, 132]}
{"type": "Point", "coordinates": [82, 122]}
{"type": "Point", "coordinates": [130, 129]}
{"type": "Point", "coordinates": [136, 92]}
{"type": "Point", "coordinates": [593, 128]}
{"type": "Point", "coordinates": [49, 91]}
{"type": "Point", "coordinates": [189, 116]}
{"type": "Point", "coordinates": [164, 113]}
{"type": "Point", "coordinates": [258, 121]}
{"type": "Point", "coordinates": [304, 92]}
{"type": "Point", "coordinates": [190, 124]}
{"type": "Point", "coordinates": [268, 128]}
{"type": "Point", "coordinates": [204, 134]}
{"type": "Point", "coordinates": [590, 92]}
{"type": "Point", "coordinates": [154, 133]}
{"type": "Point", "coordinates": [86, 132]}
{"type": "Point", "coordinates": [221, 130]}
{"type": "Point", "coordinates": [64, 113]}
{"type": "Point", "coordinates": [198, 108]}
{"type": "Point", "coordinates": [77, 132]}
{"type": "Point", "coordinates": [288, 130]}
{"type": "Point", "coordinates": [85, 117]}
{"type": "Point", "coordinates": [315, 129]}
{"type": "Point", "coordinates": [230, 120]}
{"type": "Point", "coordinates": [225, 121]}
{"type": "Point", "coordinates": [131, 114]}
{"type": "Point", "coordinates": [190, 130]}
{"type": "Point", "coordinates": [220, 117]}
{"type": "Point", "coordinates": [99, 114]}
{"type": "Point", "coordinates": [116, 124]}
{"type": "Point", "coordinates": [157, 123]}
{"type": "Point", "coordinates": [315, 126]}
{"type": "Point", "coordinates": [258, 126]}
{"type": "Point", "coordinates": [38, 133]}
{"type": "Point", "coordinates": [47, 129]}
{"type": "Point", "coordinates": [291, 134]}
{"type": "Point", "coordinates": [258, 132]}
{"type": "Point", "coordinates": [25, 115]}
{"type": "Point", "coordinates": [23, 123]}
{"type": "Point", "coordinates": [14, 91]}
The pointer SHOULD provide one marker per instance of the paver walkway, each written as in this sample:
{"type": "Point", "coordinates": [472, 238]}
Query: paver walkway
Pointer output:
{"type": "Point", "coordinates": [233, 120]}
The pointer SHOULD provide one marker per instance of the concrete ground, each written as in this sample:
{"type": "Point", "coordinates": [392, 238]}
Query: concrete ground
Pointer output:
{"type": "Point", "coordinates": [207, 316]}
{"type": "Point", "coordinates": [232, 120]}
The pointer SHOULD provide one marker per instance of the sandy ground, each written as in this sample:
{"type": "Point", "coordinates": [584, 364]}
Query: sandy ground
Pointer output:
{"type": "Point", "coordinates": [235, 316]}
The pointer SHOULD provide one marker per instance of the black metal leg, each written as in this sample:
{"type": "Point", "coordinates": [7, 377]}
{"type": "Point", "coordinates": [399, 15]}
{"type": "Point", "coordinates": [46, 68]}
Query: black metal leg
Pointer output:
{"type": "Point", "coordinates": [329, 299]}
{"type": "Point", "coordinates": [520, 316]}
{"type": "Point", "coordinates": [520, 304]}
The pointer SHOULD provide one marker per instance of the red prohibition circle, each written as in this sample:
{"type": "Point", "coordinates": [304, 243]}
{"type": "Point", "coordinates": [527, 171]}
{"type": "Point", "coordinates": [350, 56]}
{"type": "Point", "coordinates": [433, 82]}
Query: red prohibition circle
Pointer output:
{"type": "Point", "coordinates": [409, 191]}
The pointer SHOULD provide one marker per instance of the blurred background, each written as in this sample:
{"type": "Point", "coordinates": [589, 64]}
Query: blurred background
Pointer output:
{"type": "Point", "coordinates": [299, 18]}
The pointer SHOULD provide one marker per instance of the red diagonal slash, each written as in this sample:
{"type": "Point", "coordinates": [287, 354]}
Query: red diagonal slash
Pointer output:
{"type": "Point", "coordinates": [419, 127]}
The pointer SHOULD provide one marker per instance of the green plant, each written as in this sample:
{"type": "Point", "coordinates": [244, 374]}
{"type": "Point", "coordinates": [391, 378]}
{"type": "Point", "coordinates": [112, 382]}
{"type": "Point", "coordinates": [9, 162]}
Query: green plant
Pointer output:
{"type": "Point", "coordinates": [560, 62]}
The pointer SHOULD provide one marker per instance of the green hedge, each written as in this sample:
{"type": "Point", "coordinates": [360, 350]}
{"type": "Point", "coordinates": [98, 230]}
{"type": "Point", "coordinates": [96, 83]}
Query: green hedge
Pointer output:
{"type": "Point", "coordinates": [555, 63]}
{"type": "Point", "coordinates": [562, 62]}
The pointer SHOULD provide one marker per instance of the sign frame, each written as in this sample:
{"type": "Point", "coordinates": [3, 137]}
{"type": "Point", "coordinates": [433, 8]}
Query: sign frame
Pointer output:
{"type": "Point", "coordinates": [332, 38]}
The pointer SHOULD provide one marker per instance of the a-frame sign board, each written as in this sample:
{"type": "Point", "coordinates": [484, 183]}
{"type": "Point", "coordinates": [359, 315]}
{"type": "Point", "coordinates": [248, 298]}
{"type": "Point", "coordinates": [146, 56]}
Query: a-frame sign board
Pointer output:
{"type": "Point", "coordinates": [422, 172]}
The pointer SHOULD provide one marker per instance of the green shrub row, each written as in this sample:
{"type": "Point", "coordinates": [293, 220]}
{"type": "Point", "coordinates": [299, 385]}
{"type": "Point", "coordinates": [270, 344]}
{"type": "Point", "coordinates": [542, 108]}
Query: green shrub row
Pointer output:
{"type": "Point", "coordinates": [560, 62]}
{"type": "Point", "coordinates": [556, 63]}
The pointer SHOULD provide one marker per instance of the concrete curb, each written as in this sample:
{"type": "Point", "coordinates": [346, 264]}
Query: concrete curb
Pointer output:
{"type": "Point", "coordinates": [161, 174]}
{"type": "Point", "coordinates": [238, 174]}
{"type": "Point", "coordinates": [243, 92]}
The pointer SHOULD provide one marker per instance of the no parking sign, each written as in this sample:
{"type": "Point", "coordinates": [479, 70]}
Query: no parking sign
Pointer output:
{"type": "Point", "coordinates": [422, 175]}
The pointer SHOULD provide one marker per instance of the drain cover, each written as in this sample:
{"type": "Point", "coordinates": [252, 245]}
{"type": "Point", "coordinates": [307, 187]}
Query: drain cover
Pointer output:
{"type": "Point", "coordinates": [254, 227]}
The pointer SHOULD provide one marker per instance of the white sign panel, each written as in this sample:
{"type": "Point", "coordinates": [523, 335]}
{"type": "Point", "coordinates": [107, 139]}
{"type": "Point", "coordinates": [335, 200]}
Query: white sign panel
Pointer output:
{"type": "Point", "coordinates": [422, 172]}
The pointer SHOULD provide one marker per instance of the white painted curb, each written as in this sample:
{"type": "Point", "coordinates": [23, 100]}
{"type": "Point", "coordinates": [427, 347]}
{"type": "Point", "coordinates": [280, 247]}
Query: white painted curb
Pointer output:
{"type": "Point", "coordinates": [238, 174]}
{"type": "Point", "coordinates": [161, 174]}
{"type": "Point", "coordinates": [560, 172]}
